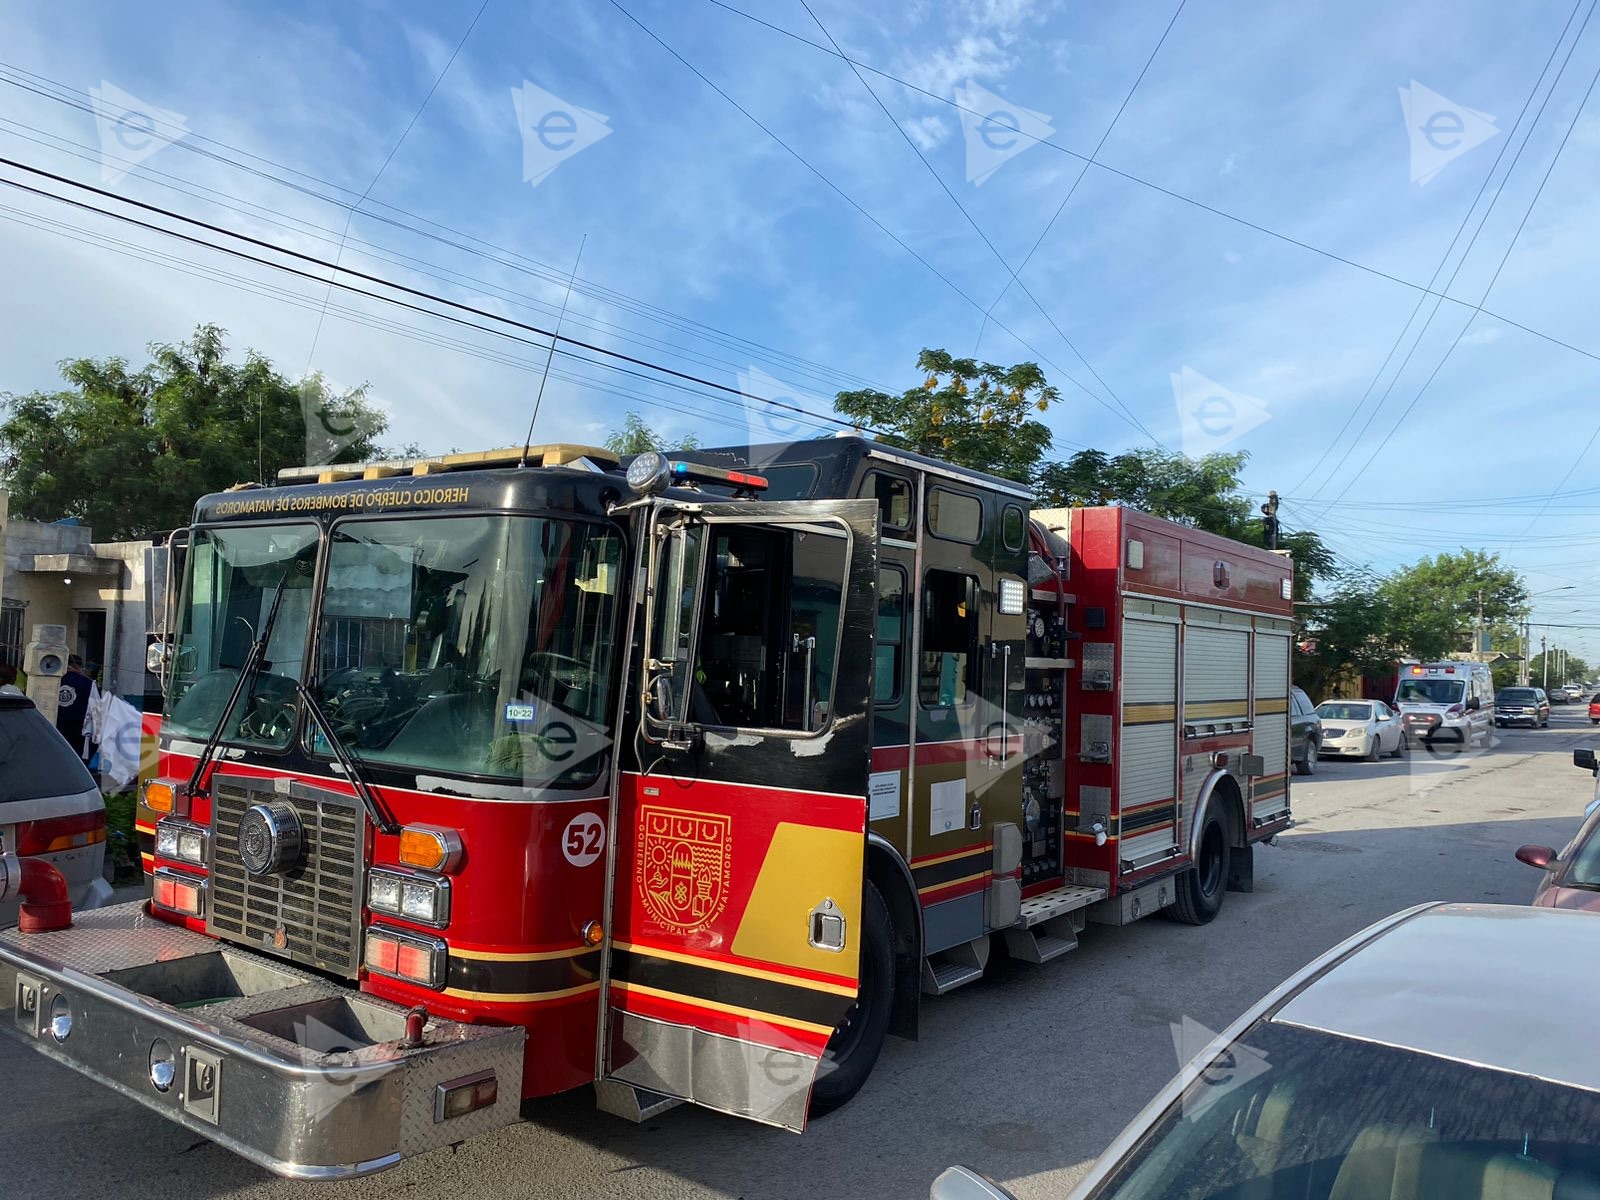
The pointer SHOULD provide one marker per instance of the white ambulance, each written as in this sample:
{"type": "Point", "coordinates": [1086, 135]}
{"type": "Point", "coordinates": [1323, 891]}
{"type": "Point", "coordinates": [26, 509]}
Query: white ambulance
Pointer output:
{"type": "Point", "coordinates": [1446, 702]}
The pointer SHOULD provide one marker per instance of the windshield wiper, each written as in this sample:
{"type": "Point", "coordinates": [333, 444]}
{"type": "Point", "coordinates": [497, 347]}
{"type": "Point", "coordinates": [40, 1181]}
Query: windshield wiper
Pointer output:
{"type": "Point", "coordinates": [247, 674]}
{"type": "Point", "coordinates": [369, 799]}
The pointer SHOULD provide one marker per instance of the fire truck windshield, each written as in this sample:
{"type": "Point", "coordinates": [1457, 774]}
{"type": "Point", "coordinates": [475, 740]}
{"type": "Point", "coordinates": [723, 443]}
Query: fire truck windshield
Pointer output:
{"type": "Point", "coordinates": [477, 645]}
{"type": "Point", "coordinates": [233, 575]}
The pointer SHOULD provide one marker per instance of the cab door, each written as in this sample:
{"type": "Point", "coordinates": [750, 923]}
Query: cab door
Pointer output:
{"type": "Point", "coordinates": [739, 818]}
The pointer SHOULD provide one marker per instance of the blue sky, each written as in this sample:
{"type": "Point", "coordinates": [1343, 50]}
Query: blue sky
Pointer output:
{"type": "Point", "coordinates": [712, 248]}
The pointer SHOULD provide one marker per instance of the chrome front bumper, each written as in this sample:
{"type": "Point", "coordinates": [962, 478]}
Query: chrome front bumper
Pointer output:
{"type": "Point", "coordinates": [308, 1078]}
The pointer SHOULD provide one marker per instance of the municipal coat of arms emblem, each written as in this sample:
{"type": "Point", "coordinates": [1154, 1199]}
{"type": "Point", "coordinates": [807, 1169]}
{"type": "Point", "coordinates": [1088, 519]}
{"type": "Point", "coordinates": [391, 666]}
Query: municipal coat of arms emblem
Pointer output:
{"type": "Point", "coordinates": [683, 866]}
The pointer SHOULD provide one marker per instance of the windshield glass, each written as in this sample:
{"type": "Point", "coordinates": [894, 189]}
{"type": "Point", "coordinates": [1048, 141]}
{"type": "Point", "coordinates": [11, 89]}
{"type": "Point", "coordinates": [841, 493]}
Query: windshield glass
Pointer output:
{"type": "Point", "coordinates": [1334, 710]}
{"type": "Point", "coordinates": [1294, 1113]}
{"type": "Point", "coordinates": [474, 645]}
{"type": "Point", "coordinates": [1584, 870]}
{"type": "Point", "coordinates": [233, 575]}
{"type": "Point", "coordinates": [1515, 696]}
{"type": "Point", "coordinates": [1432, 691]}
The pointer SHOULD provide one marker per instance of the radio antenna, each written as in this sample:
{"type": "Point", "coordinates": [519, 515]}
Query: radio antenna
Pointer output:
{"type": "Point", "coordinates": [527, 442]}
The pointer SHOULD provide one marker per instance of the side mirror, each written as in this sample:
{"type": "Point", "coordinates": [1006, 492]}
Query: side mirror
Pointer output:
{"type": "Point", "coordinates": [1536, 856]}
{"type": "Point", "coordinates": [1584, 759]}
{"type": "Point", "coordinates": [1474, 703]}
{"type": "Point", "coordinates": [963, 1183]}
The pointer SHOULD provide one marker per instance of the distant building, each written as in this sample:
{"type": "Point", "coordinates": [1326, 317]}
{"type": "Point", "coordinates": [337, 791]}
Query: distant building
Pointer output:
{"type": "Point", "coordinates": [56, 574]}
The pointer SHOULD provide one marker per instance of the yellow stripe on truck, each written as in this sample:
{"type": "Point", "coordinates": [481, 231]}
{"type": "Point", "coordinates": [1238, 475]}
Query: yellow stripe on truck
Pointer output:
{"type": "Point", "coordinates": [804, 866]}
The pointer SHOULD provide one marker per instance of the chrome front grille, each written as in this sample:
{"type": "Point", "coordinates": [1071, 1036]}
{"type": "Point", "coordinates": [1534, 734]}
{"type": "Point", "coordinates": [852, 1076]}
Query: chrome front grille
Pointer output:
{"type": "Point", "coordinates": [310, 913]}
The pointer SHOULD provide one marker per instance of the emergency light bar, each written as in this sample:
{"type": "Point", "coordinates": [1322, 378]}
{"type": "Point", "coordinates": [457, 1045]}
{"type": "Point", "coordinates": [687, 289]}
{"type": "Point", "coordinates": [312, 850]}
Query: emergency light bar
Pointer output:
{"type": "Point", "coordinates": [652, 472]}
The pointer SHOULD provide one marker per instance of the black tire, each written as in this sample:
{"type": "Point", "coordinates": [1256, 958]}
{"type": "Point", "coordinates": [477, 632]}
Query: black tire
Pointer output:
{"type": "Point", "coordinates": [1372, 754]}
{"type": "Point", "coordinates": [1306, 763]}
{"type": "Point", "coordinates": [854, 1048]}
{"type": "Point", "coordinates": [1202, 887]}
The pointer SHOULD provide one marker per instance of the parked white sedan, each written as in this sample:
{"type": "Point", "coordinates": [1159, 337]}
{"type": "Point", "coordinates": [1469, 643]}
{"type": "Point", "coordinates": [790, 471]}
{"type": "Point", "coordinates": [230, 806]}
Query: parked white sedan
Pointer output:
{"type": "Point", "coordinates": [1360, 729]}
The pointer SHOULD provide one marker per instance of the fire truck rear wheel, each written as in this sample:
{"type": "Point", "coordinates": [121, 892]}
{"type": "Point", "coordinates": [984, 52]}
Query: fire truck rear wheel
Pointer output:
{"type": "Point", "coordinates": [853, 1050]}
{"type": "Point", "coordinates": [1202, 886]}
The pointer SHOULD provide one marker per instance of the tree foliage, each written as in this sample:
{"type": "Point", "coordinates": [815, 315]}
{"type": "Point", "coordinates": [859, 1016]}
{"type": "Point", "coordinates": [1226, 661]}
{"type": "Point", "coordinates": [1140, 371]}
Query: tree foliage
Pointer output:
{"type": "Point", "coordinates": [1433, 604]}
{"type": "Point", "coordinates": [974, 414]}
{"type": "Point", "coordinates": [128, 452]}
{"type": "Point", "coordinates": [1564, 668]}
{"type": "Point", "coordinates": [635, 437]}
{"type": "Point", "coordinates": [1202, 492]}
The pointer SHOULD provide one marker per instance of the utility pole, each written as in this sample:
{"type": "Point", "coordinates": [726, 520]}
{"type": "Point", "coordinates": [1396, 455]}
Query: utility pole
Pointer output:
{"type": "Point", "coordinates": [1525, 666]}
{"type": "Point", "coordinates": [1269, 520]}
{"type": "Point", "coordinates": [1477, 636]}
{"type": "Point", "coordinates": [1544, 657]}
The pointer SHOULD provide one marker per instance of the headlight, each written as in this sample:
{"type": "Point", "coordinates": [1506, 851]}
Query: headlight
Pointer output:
{"type": "Point", "coordinates": [383, 893]}
{"type": "Point", "coordinates": [421, 901]}
{"type": "Point", "coordinates": [181, 841]}
{"type": "Point", "coordinates": [416, 897]}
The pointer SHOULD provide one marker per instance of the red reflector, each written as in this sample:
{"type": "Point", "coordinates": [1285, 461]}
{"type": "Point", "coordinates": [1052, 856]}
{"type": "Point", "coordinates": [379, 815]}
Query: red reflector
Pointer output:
{"type": "Point", "coordinates": [459, 1097]}
{"type": "Point", "coordinates": [60, 833]}
{"type": "Point", "coordinates": [415, 963]}
{"type": "Point", "coordinates": [383, 953]}
{"type": "Point", "coordinates": [177, 895]}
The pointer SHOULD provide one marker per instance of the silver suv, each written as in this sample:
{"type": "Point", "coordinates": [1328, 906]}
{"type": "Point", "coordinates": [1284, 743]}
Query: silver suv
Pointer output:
{"type": "Point", "coordinates": [50, 807]}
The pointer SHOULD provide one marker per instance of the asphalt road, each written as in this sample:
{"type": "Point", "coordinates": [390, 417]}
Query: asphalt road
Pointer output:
{"type": "Point", "coordinates": [1025, 1075]}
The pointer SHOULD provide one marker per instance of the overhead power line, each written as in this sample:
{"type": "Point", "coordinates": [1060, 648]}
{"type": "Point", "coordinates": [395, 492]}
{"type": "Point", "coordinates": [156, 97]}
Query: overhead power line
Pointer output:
{"type": "Point", "coordinates": [379, 280]}
{"type": "Point", "coordinates": [984, 237]}
{"type": "Point", "coordinates": [350, 214]}
{"type": "Point", "coordinates": [1267, 231]}
{"type": "Point", "coordinates": [1444, 259]}
{"type": "Point", "coordinates": [878, 224]}
{"type": "Point", "coordinates": [1510, 246]}
{"type": "Point", "coordinates": [199, 145]}
{"type": "Point", "coordinates": [193, 268]}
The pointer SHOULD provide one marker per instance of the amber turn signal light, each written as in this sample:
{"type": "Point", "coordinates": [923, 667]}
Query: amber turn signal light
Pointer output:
{"type": "Point", "coordinates": [169, 796]}
{"type": "Point", "coordinates": [430, 848]}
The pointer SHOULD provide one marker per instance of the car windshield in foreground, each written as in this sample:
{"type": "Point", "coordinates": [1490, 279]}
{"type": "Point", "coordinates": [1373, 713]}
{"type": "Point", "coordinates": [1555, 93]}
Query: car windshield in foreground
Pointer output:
{"type": "Point", "coordinates": [233, 577]}
{"type": "Point", "coordinates": [1516, 696]}
{"type": "Point", "coordinates": [35, 760]}
{"type": "Point", "coordinates": [1431, 691]}
{"type": "Point", "coordinates": [1290, 1112]}
{"type": "Point", "coordinates": [1340, 710]}
{"type": "Point", "coordinates": [477, 645]}
{"type": "Point", "coordinates": [1584, 870]}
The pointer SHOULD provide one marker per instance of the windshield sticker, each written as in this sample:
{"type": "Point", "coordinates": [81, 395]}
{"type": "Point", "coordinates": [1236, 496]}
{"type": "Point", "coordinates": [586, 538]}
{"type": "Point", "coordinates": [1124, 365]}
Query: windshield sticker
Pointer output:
{"type": "Point", "coordinates": [365, 500]}
{"type": "Point", "coordinates": [522, 712]}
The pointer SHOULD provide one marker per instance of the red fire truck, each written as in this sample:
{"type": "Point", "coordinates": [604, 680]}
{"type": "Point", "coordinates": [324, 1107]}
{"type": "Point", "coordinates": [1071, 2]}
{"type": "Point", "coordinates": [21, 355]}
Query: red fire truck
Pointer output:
{"type": "Point", "coordinates": [491, 776]}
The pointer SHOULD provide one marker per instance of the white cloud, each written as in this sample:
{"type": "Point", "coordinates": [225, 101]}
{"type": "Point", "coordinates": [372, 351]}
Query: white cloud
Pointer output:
{"type": "Point", "coordinates": [926, 132]}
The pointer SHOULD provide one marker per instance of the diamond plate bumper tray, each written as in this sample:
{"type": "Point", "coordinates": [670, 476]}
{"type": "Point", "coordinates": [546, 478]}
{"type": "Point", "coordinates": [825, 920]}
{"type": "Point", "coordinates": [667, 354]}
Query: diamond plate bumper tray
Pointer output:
{"type": "Point", "coordinates": [305, 1077]}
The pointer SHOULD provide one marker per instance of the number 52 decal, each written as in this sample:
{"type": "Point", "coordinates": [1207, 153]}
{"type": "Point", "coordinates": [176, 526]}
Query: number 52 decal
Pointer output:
{"type": "Point", "coordinates": [584, 838]}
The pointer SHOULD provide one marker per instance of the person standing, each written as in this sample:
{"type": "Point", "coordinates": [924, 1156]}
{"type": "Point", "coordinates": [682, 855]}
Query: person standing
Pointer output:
{"type": "Point", "coordinates": [74, 705]}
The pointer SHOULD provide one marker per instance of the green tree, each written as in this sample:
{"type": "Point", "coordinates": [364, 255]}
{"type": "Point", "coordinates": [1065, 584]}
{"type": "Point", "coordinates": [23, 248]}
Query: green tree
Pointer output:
{"type": "Point", "coordinates": [1564, 668]}
{"type": "Point", "coordinates": [635, 437]}
{"type": "Point", "coordinates": [970, 413]}
{"type": "Point", "coordinates": [128, 452]}
{"type": "Point", "coordinates": [1349, 629]}
{"type": "Point", "coordinates": [1202, 492]}
{"type": "Point", "coordinates": [1434, 604]}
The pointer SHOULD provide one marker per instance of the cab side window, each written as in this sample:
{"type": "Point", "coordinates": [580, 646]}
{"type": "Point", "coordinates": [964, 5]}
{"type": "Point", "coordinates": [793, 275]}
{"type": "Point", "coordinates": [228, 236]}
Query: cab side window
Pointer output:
{"type": "Point", "coordinates": [889, 670]}
{"type": "Point", "coordinates": [893, 495]}
{"type": "Point", "coordinates": [769, 628]}
{"type": "Point", "coordinates": [947, 672]}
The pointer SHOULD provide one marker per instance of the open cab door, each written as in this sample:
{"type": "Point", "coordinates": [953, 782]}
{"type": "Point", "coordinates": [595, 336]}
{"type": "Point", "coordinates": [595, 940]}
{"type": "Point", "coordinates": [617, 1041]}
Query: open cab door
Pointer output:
{"type": "Point", "coordinates": [740, 812]}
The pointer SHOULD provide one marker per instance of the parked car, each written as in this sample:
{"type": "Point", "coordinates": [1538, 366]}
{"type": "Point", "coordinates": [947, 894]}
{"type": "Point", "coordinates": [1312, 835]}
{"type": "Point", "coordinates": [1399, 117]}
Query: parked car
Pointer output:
{"type": "Point", "coordinates": [1574, 692]}
{"type": "Point", "coordinates": [1361, 729]}
{"type": "Point", "coordinates": [1305, 732]}
{"type": "Point", "coordinates": [1558, 696]}
{"type": "Point", "coordinates": [1521, 706]}
{"type": "Point", "coordinates": [49, 805]}
{"type": "Point", "coordinates": [1572, 877]}
{"type": "Point", "coordinates": [1444, 1052]}
{"type": "Point", "coordinates": [1594, 709]}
